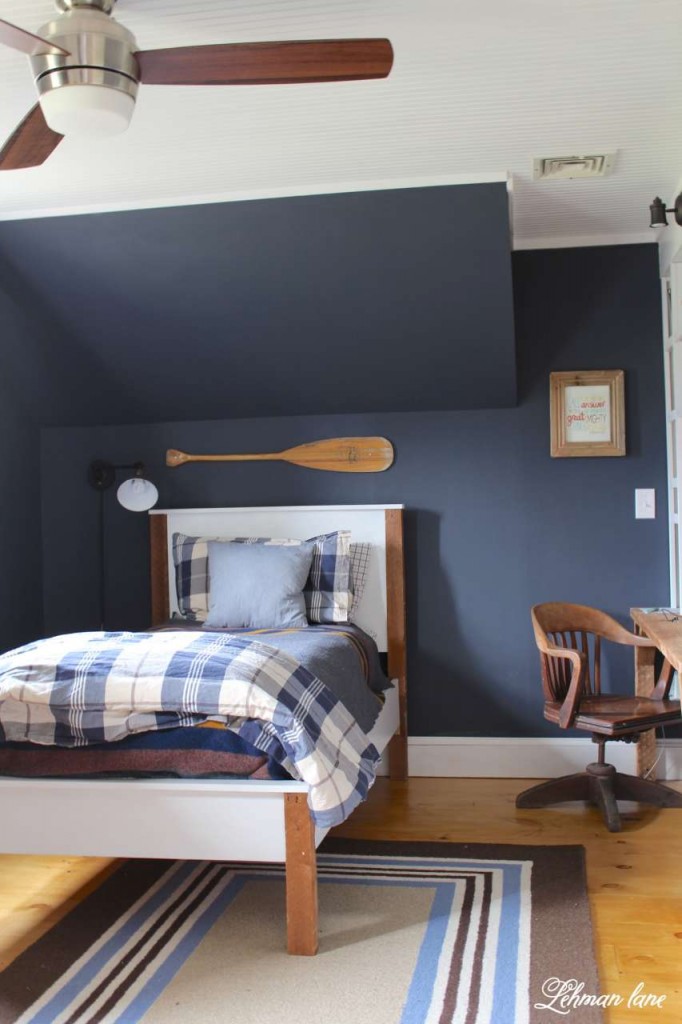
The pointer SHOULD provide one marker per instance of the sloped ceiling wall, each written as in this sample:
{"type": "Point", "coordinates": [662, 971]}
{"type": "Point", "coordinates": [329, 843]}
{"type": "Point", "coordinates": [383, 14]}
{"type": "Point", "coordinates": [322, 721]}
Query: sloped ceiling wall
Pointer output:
{"type": "Point", "coordinates": [396, 300]}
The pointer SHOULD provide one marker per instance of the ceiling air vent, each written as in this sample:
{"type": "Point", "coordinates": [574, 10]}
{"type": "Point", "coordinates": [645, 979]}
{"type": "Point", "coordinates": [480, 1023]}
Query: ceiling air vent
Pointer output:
{"type": "Point", "coordinates": [554, 167]}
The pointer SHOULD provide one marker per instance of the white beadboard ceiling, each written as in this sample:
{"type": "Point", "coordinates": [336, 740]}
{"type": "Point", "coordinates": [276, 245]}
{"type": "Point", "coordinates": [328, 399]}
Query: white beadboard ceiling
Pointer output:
{"type": "Point", "coordinates": [479, 88]}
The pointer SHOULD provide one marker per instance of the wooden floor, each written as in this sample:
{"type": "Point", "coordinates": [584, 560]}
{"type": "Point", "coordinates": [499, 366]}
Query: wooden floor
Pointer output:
{"type": "Point", "coordinates": [634, 877]}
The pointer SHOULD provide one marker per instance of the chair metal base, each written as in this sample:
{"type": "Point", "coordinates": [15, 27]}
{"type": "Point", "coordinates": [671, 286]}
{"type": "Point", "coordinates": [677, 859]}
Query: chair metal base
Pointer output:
{"type": "Point", "coordinates": [601, 785]}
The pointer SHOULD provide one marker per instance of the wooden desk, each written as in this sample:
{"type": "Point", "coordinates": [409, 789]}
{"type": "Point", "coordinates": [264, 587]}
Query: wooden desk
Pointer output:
{"type": "Point", "coordinates": [665, 629]}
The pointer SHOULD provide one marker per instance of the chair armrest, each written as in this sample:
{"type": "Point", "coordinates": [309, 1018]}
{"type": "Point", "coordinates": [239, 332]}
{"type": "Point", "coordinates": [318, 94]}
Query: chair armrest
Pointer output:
{"type": "Point", "coordinates": [609, 629]}
{"type": "Point", "coordinates": [569, 706]}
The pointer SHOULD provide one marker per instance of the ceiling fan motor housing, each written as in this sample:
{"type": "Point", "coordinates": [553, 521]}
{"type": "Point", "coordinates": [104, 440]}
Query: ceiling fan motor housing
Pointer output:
{"type": "Point", "coordinates": [101, 56]}
{"type": "Point", "coordinates": [102, 5]}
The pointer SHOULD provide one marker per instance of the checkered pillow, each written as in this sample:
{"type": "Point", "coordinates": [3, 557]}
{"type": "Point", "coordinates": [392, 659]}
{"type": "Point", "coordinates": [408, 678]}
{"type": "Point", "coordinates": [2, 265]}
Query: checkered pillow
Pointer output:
{"type": "Point", "coordinates": [190, 557]}
{"type": "Point", "coordinates": [327, 591]}
{"type": "Point", "coordinates": [359, 567]}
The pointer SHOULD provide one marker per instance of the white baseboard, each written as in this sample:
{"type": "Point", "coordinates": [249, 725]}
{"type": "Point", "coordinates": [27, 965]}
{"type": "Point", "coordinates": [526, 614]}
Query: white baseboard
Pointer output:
{"type": "Point", "coordinates": [493, 757]}
{"type": "Point", "coordinates": [670, 765]}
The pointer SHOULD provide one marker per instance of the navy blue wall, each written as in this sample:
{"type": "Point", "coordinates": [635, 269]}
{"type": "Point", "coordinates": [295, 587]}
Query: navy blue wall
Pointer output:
{"type": "Point", "coordinates": [369, 301]}
{"type": "Point", "coordinates": [493, 523]}
{"type": "Point", "coordinates": [43, 380]}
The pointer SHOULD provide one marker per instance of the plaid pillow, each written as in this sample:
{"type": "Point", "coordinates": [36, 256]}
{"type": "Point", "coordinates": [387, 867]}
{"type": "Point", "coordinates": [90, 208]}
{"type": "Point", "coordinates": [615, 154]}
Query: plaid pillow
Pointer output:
{"type": "Point", "coordinates": [190, 557]}
{"type": "Point", "coordinates": [359, 565]}
{"type": "Point", "coordinates": [327, 591]}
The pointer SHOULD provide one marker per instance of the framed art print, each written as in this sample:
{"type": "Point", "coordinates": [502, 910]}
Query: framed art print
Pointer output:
{"type": "Point", "coordinates": [587, 413]}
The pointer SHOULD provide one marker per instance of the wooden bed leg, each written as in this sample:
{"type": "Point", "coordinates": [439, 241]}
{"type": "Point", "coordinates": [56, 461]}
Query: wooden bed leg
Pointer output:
{"type": "Point", "coordinates": [397, 758]}
{"type": "Point", "coordinates": [397, 658]}
{"type": "Point", "coordinates": [301, 876]}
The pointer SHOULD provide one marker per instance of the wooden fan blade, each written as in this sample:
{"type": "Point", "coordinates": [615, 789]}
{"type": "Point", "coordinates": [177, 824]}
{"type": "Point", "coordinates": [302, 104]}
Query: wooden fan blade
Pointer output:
{"type": "Point", "coordinates": [338, 454]}
{"type": "Point", "coordinates": [26, 42]}
{"type": "Point", "coordinates": [322, 60]}
{"type": "Point", "coordinates": [31, 144]}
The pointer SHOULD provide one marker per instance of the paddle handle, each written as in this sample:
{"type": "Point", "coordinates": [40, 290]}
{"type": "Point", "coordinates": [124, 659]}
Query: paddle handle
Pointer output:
{"type": "Point", "coordinates": [177, 458]}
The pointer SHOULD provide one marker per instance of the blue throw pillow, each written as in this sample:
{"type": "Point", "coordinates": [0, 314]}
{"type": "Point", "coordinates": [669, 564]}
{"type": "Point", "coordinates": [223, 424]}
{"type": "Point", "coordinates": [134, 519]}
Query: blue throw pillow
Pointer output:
{"type": "Point", "coordinates": [257, 585]}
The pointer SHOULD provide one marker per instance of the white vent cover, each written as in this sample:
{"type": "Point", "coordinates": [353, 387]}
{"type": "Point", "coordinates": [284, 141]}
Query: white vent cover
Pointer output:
{"type": "Point", "coordinates": [593, 166]}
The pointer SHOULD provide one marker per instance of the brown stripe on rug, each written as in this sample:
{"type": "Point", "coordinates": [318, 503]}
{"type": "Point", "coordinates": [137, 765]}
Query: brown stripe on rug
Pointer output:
{"type": "Point", "coordinates": [165, 943]}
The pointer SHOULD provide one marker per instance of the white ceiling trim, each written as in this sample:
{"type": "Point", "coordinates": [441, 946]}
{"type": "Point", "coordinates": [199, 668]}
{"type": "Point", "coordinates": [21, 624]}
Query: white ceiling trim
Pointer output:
{"type": "Point", "coordinates": [579, 241]}
{"type": "Point", "coordinates": [263, 193]}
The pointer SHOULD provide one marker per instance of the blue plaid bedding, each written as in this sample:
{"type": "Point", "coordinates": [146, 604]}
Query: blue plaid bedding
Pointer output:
{"type": "Point", "coordinates": [85, 688]}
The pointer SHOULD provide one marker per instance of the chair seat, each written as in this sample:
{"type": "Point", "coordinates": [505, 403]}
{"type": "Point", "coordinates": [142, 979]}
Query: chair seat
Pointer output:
{"type": "Point", "coordinates": [611, 714]}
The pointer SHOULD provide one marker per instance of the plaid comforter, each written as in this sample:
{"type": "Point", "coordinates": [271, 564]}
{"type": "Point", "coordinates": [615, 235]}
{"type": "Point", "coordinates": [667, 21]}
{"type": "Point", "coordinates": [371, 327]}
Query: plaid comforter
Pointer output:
{"type": "Point", "coordinates": [84, 688]}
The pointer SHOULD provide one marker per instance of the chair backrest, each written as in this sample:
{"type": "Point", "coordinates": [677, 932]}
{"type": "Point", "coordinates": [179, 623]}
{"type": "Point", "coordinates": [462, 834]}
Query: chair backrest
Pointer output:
{"type": "Point", "coordinates": [579, 628]}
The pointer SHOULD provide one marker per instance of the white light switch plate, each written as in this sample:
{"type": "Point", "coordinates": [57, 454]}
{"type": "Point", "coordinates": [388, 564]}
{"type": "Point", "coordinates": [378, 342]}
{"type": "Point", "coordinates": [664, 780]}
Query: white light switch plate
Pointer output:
{"type": "Point", "coordinates": [645, 503]}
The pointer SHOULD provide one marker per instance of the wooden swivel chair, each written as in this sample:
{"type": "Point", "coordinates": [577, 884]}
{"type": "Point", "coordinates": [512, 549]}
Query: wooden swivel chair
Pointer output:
{"type": "Point", "coordinates": [569, 639]}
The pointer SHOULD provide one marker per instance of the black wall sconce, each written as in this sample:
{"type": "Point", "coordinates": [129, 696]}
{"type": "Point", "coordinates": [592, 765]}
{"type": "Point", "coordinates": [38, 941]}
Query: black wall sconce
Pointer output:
{"type": "Point", "coordinates": [658, 212]}
{"type": "Point", "coordinates": [137, 494]}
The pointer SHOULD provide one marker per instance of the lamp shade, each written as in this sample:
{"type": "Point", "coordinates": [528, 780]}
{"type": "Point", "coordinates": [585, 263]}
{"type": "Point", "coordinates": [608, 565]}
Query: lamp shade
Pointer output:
{"type": "Point", "coordinates": [89, 111]}
{"type": "Point", "coordinates": [137, 494]}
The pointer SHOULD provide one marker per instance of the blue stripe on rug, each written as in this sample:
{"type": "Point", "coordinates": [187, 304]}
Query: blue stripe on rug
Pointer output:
{"type": "Point", "coordinates": [134, 1013]}
{"type": "Point", "coordinates": [509, 938]}
{"type": "Point", "coordinates": [420, 994]}
{"type": "Point", "coordinates": [96, 962]}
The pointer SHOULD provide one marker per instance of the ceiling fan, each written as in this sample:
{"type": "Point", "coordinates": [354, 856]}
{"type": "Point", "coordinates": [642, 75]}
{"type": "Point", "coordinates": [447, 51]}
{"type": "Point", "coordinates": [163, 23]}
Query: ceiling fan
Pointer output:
{"type": "Point", "coordinates": [87, 70]}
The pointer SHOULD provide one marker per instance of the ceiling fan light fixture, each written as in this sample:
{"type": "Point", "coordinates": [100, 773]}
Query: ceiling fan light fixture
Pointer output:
{"type": "Point", "coordinates": [87, 68]}
{"type": "Point", "coordinates": [87, 111]}
{"type": "Point", "coordinates": [90, 89]}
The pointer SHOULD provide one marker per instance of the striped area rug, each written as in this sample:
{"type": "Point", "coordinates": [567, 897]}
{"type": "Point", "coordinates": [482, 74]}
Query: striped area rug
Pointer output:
{"type": "Point", "coordinates": [410, 934]}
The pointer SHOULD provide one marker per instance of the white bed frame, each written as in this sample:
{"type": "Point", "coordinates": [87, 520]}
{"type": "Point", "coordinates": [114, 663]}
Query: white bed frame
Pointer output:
{"type": "Point", "coordinates": [197, 819]}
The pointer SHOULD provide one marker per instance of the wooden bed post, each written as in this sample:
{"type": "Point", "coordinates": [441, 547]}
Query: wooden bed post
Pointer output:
{"type": "Point", "coordinates": [158, 538]}
{"type": "Point", "coordinates": [397, 661]}
{"type": "Point", "coordinates": [301, 876]}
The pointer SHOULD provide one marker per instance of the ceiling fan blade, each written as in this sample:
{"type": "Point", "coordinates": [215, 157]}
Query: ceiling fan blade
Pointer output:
{"type": "Point", "coordinates": [26, 42]}
{"type": "Point", "coordinates": [321, 60]}
{"type": "Point", "coordinates": [31, 143]}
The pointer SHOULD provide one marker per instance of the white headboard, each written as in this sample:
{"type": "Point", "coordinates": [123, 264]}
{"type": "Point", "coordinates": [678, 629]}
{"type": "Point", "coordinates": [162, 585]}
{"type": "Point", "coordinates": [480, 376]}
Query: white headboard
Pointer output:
{"type": "Point", "coordinates": [367, 523]}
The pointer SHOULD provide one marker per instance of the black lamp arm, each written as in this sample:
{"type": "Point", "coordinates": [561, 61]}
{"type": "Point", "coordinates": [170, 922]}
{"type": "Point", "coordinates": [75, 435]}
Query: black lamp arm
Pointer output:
{"type": "Point", "coordinates": [101, 474]}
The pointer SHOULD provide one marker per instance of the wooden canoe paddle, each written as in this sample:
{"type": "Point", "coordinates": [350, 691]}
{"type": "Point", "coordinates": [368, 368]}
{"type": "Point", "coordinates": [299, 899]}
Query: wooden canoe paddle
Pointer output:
{"type": "Point", "coordinates": [339, 454]}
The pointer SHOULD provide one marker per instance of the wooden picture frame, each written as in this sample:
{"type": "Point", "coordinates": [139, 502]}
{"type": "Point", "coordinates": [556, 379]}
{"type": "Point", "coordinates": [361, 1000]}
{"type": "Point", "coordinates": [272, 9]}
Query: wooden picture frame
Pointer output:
{"type": "Point", "coordinates": [587, 413]}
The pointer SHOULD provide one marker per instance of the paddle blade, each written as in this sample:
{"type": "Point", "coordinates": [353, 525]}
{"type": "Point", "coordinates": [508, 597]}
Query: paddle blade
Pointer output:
{"type": "Point", "coordinates": [343, 455]}
{"type": "Point", "coordinates": [321, 60]}
{"type": "Point", "coordinates": [31, 144]}
{"type": "Point", "coordinates": [26, 42]}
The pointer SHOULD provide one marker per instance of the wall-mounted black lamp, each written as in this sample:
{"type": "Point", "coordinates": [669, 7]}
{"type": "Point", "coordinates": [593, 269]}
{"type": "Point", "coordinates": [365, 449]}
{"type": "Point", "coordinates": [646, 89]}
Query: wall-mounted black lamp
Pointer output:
{"type": "Point", "coordinates": [658, 212]}
{"type": "Point", "coordinates": [137, 494]}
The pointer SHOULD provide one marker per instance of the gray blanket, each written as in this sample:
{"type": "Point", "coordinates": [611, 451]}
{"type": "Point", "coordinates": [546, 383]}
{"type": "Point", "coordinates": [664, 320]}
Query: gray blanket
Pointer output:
{"type": "Point", "coordinates": [344, 657]}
